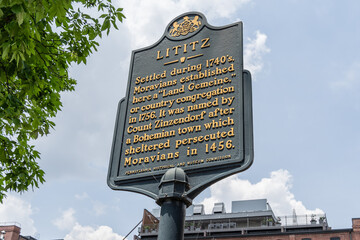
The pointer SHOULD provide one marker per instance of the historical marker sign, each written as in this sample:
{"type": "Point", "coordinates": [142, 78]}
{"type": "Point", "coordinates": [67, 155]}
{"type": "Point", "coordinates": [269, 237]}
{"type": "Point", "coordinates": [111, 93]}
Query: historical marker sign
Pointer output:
{"type": "Point", "coordinates": [188, 105]}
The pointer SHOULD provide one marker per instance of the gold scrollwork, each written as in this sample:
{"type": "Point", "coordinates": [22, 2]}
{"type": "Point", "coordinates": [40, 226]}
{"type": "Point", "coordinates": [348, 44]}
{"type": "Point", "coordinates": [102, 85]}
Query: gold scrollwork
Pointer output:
{"type": "Point", "coordinates": [185, 26]}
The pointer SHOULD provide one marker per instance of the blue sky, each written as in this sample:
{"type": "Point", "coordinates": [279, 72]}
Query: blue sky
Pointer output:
{"type": "Point", "coordinates": [305, 61]}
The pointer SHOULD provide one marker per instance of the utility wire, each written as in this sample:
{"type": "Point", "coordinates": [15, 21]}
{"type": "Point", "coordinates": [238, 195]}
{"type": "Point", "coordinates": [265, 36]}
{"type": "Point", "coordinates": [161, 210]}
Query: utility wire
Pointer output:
{"type": "Point", "coordinates": [132, 230]}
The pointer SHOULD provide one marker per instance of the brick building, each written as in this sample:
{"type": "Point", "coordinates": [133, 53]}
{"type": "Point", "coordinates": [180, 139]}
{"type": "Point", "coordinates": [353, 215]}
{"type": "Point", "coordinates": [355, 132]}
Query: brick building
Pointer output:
{"type": "Point", "coordinates": [250, 220]}
{"type": "Point", "coordinates": [11, 231]}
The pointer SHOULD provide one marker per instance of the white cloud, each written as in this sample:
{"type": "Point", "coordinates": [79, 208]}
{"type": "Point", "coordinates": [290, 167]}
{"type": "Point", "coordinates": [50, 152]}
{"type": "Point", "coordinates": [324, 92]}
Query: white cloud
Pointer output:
{"type": "Point", "coordinates": [350, 79]}
{"type": "Point", "coordinates": [254, 51]}
{"type": "Point", "coordinates": [66, 221]}
{"type": "Point", "coordinates": [275, 189]}
{"type": "Point", "coordinates": [99, 208]}
{"type": "Point", "coordinates": [86, 232]}
{"type": "Point", "coordinates": [15, 209]}
{"type": "Point", "coordinates": [81, 196]}
{"type": "Point", "coordinates": [147, 19]}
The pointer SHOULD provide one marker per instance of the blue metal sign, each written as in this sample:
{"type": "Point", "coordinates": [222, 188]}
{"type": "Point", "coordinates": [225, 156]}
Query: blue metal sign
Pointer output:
{"type": "Point", "coordinates": [188, 105]}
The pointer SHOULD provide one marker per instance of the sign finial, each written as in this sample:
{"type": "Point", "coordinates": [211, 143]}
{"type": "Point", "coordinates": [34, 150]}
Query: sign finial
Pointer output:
{"type": "Point", "coordinates": [185, 26]}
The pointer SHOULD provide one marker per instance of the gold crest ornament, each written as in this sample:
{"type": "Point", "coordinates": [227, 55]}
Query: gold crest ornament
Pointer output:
{"type": "Point", "coordinates": [186, 26]}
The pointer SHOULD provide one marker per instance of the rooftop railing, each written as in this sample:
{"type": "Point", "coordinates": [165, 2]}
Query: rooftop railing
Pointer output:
{"type": "Point", "coordinates": [246, 223]}
{"type": "Point", "coordinates": [295, 220]}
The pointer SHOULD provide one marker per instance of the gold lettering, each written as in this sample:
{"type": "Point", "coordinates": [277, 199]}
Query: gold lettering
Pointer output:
{"type": "Point", "coordinates": [189, 129]}
{"type": "Point", "coordinates": [205, 89]}
{"type": "Point", "coordinates": [144, 148]}
{"type": "Point", "coordinates": [219, 124]}
{"type": "Point", "coordinates": [130, 161]}
{"type": "Point", "coordinates": [156, 105]}
{"type": "Point", "coordinates": [153, 136]}
{"type": "Point", "coordinates": [221, 112]}
{"type": "Point", "coordinates": [127, 161]}
{"type": "Point", "coordinates": [194, 45]}
{"type": "Point", "coordinates": [158, 55]}
{"type": "Point", "coordinates": [176, 49]}
{"type": "Point", "coordinates": [201, 106]}
{"type": "Point", "coordinates": [150, 78]}
{"type": "Point", "coordinates": [177, 121]}
{"type": "Point", "coordinates": [142, 128]}
{"type": "Point", "coordinates": [205, 43]}
{"type": "Point", "coordinates": [205, 95]}
{"type": "Point", "coordinates": [208, 137]}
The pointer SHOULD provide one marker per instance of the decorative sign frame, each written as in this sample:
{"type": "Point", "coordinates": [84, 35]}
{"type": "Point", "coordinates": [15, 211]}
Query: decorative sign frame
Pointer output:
{"type": "Point", "coordinates": [188, 105]}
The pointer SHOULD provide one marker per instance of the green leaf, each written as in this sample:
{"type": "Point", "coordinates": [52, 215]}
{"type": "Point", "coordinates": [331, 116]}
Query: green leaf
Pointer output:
{"type": "Point", "coordinates": [16, 122]}
{"type": "Point", "coordinates": [120, 16]}
{"type": "Point", "coordinates": [34, 134]}
{"type": "Point", "coordinates": [106, 24]}
{"type": "Point", "coordinates": [2, 154]}
{"type": "Point", "coordinates": [6, 47]}
{"type": "Point", "coordinates": [14, 56]}
{"type": "Point", "coordinates": [114, 24]}
{"type": "Point", "coordinates": [20, 17]}
{"type": "Point", "coordinates": [17, 9]}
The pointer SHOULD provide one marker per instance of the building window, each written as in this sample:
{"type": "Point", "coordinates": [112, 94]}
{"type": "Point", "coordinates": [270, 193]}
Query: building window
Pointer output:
{"type": "Point", "coordinates": [335, 238]}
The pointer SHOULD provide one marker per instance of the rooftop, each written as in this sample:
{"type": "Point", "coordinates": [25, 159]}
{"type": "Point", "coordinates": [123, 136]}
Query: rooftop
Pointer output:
{"type": "Point", "coordinates": [245, 217]}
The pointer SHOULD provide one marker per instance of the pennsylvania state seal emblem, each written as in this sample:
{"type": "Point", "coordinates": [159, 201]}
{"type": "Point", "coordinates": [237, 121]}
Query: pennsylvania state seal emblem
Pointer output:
{"type": "Point", "coordinates": [185, 26]}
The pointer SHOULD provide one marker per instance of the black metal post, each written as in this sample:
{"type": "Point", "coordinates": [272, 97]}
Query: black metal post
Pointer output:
{"type": "Point", "coordinates": [173, 202]}
{"type": "Point", "coordinates": [172, 220]}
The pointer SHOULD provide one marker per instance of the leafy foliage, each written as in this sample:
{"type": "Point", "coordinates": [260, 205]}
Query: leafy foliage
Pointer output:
{"type": "Point", "coordinates": [39, 40]}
